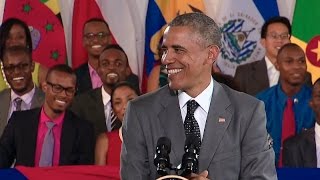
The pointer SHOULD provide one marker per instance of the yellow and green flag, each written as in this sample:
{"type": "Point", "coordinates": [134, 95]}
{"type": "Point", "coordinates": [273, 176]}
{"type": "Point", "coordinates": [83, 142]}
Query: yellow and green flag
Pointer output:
{"type": "Point", "coordinates": [306, 33]}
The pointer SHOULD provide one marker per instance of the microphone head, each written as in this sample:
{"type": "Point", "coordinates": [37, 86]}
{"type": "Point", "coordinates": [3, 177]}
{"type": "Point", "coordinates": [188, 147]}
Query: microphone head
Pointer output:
{"type": "Point", "coordinates": [164, 143]}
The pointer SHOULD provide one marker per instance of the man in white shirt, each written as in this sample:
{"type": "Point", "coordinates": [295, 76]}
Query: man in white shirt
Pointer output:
{"type": "Point", "coordinates": [303, 150]}
{"type": "Point", "coordinates": [23, 95]}
{"type": "Point", "coordinates": [256, 76]}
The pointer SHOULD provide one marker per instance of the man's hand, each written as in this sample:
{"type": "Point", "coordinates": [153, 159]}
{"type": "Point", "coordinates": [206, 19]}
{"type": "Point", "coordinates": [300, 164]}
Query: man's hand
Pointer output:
{"type": "Point", "coordinates": [202, 176]}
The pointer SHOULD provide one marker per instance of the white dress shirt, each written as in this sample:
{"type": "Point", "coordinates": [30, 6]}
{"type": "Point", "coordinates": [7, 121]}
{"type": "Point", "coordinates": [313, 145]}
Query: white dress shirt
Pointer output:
{"type": "Point", "coordinates": [106, 99]}
{"type": "Point", "coordinates": [25, 104]}
{"type": "Point", "coordinates": [201, 113]}
{"type": "Point", "coordinates": [273, 73]}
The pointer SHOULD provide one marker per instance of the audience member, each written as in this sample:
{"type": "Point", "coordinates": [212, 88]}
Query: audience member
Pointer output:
{"type": "Point", "coordinates": [15, 32]}
{"type": "Point", "coordinates": [287, 103]}
{"type": "Point", "coordinates": [228, 128]}
{"type": "Point", "coordinates": [259, 75]}
{"type": "Point", "coordinates": [108, 144]}
{"type": "Point", "coordinates": [23, 94]}
{"type": "Point", "coordinates": [51, 135]}
{"type": "Point", "coordinates": [96, 36]}
{"type": "Point", "coordinates": [95, 105]}
{"type": "Point", "coordinates": [302, 150]}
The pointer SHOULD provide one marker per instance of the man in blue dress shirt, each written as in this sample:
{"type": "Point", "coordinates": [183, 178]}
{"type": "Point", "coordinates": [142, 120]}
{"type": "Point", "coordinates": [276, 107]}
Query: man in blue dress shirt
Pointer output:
{"type": "Point", "coordinates": [291, 63]}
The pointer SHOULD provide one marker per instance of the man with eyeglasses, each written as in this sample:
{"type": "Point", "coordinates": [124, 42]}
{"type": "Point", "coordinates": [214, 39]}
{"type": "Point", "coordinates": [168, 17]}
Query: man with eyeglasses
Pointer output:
{"type": "Point", "coordinates": [259, 75]}
{"type": "Point", "coordinates": [96, 36]}
{"type": "Point", "coordinates": [50, 135]}
{"type": "Point", "coordinates": [17, 66]}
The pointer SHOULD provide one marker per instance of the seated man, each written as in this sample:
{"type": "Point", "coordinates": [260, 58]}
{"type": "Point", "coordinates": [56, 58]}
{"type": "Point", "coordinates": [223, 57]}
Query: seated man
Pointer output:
{"type": "Point", "coordinates": [96, 36]}
{"type": "Point", "coordinates": [287, 103]}
{"type": "Point", "coordinates": [95, 105]}
{"type": "Point", "coordinates": [23, 94]}
{"type": "Point", "coordinates": [302, 150]}
{"type": "Point", "coordinates": [51, 135]}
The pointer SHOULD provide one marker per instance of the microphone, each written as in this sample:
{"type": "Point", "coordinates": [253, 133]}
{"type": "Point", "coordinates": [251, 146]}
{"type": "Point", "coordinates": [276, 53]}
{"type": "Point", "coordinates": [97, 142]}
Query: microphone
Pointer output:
{"type": "Point", "coordinates": [161, 158]}
{"type": "Point", "coordinates": [190, 158]}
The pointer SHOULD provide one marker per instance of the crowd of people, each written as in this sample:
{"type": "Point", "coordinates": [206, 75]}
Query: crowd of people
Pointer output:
{"type": "Point", "coordinates": [266, 116]}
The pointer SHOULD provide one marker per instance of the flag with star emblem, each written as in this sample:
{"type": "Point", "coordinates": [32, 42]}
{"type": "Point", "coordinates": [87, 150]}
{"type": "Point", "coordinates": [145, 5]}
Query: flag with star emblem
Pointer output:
{"type": "Point", "coordinates": [43, 19]}
{"type": "Point", "coordinates": [306, 33]}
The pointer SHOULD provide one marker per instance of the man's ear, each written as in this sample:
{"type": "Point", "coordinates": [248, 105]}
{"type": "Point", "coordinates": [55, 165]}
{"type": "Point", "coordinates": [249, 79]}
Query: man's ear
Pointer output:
{"type": "Point", "coordinates": [128, 71]}
{"type": "Point", "coordinates": [263, 42]}
{"type": "Point", "coordinates": [213, 54]}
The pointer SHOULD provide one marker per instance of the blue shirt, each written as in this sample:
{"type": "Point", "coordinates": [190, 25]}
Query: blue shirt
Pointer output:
{"type": "Point", "coordinates": [275, 101]}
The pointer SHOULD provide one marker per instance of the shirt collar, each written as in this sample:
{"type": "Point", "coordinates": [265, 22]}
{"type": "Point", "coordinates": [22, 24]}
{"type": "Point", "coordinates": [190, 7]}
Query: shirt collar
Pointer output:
{"type": "Point", "coordinates": [203, 99]}
{"type": "Point", "coordinates": [44, 118]}
{"type": "Point", "coordinates": [269, 63]}
{"type": "Point", "coordinates": [296, 98]}
{"type": "Point", "coordinates": [26, 98]}
{"type": "Point", "coordinates": [105, 96]}
{"type": "Point", "coordinates": [92, 70]}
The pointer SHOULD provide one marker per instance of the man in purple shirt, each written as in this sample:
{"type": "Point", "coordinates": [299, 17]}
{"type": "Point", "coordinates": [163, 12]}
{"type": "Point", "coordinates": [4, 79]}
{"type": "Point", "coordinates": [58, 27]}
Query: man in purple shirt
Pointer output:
{"type": "Point", "coordinates": [29, 138]}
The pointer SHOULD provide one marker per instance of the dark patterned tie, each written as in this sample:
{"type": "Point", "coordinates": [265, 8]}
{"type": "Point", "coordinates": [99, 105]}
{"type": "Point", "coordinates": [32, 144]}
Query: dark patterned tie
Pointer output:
{"type": "Point", "coordinates": [47, 147]}
{"type": "Point", "coordinates": [191, 126]}
{"type": "Point", "coordinates": [113, 120]}
{"type": "Point", "coordinates": [17, 103]}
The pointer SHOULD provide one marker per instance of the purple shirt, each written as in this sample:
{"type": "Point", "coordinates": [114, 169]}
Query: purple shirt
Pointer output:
{"type": "Point", "coordinates": [95, 79]}
{"type": "Point", "coordinates": [42, 130]}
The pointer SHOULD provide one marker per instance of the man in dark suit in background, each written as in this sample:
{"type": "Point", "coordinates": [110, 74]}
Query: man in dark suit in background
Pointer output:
{"type": "Point", "coordinates": [229, 127]}
{"type": "Point", "coordinates": [302, 150]}
{"type": "Point", "coordinates": [51, 135]}
{"type": "Point", "coordinates": [22, 94]}
{"type": "Point", "coordinates": [259, 75]}
{"type": "Point", "coordinates": [96, 36]}
{"type": "Point", "coordinates": [95, 105]}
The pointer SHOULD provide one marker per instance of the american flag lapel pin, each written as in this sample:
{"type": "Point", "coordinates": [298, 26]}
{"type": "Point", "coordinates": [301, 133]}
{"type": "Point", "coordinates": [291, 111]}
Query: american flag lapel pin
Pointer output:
{"type": "Point", "coordinates": [221, 120]}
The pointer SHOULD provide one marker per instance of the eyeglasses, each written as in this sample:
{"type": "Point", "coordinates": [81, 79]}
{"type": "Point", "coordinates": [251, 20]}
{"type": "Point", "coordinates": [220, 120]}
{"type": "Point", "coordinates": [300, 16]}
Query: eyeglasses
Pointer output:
{"type": "Point", "coordinates": [99, 36]}
{"type": "Point", "coordinates": [56, 88]}
{"type": "Point", "coordinates": [20, 67]}
{"type": "Point", "coordinates": [275, 36]}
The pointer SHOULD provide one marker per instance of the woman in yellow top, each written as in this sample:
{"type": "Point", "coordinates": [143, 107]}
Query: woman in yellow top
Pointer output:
{"type": "Point", "coordinates": [15, 32]}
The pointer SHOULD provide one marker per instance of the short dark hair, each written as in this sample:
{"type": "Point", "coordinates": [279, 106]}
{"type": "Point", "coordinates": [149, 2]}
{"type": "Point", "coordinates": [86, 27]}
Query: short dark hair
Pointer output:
{"type": "Point", "coordinates": [317, 82]}
{"type": "Point", "coordinates": [202, 24]}
{"type": "Point", "coordinates": [16, 50]}
{"type": "Point", "coordinates": [61, 68]}
{"type": "Point", "coordinates": [118, 47]}
{"type": "Point", "coordinates": [96, 19]}
{"type": "Point", "coordinates": [124, 84]}
{"type": "Point", "coordinates": [277, 19]}
{"type": "Point", "coordinates": [288, 45]}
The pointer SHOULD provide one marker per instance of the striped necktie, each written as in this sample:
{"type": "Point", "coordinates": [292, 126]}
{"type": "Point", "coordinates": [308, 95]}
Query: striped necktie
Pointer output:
{"type": "Point", "coordinates": [113, 120]}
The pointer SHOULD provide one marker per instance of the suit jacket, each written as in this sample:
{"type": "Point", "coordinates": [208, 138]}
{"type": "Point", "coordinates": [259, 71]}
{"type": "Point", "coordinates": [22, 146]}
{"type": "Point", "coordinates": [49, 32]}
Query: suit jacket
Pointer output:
{"type": "Point", "coordinates": [20, 137]}
{"type": "Point", "coordinates": [234, 147]}
{"type": "Point", "coordinates": [84, 80]}
{"type": "Point", "coordinates": [252, 78]}
{"type": "Point", "coordinates": [89, 106]}
{"type": "Point", "coordinates": [5, 99]}
{"type": "Point", "coordinates": [300, 151]}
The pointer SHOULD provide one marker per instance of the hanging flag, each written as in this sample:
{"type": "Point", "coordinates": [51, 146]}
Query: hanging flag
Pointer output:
{"type": "Point", "coordinates": [43, 19]}
{"type": "Point", "coordinates": [240, 23]}
{"type": "Point", "coordinates": [306, 32]}
{"type": "Point", "coordinates": [159, 13]}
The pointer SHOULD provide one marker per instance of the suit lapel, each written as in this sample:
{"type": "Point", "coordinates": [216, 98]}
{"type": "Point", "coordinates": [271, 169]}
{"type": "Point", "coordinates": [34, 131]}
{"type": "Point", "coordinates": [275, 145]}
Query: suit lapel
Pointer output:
{"type": "Point", "coordinates": [67, 139]}
{"type": "Point", "coordinates": [37, 99]}
{"type": "Point", "coordinates": [30, 135]}
{"type": "Point", "coordinates": [310, 149]}
{"type": "Point", "coordinates": [99, 107]}
{"type": "Point", "coordinates": [172, 124]}
{"type": "Point", "coordinates": [4, 109]}
{"type": "Point", "coordinates": [218, 119]}
{"type": "Point", "coordinates": [260, 73]}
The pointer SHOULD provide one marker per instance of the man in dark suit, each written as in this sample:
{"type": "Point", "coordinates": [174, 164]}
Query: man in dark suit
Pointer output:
{"type": "Point", "coordinates": [22, 94]}
{"type": "Point", "coordinates": [31, 141]}
{"type": "Point", "coordinates": [259, 75]}
{"type": "Point", "coordinates": [96, 36]}
{"type": "Point", "coordinates": [229, 127]}
{"type": "Point", "coordinates": [301, 151]}
{"type": "Point", "coordinates": [95, 105]}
